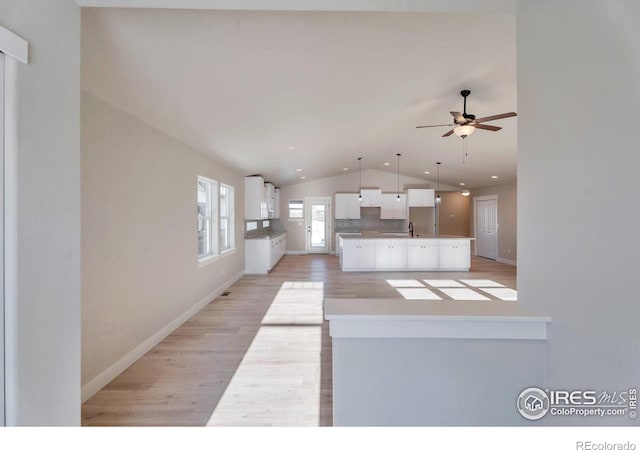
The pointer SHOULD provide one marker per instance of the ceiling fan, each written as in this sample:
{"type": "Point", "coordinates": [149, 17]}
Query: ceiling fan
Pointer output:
{"type": "Point", "coordinates": [465, 124]}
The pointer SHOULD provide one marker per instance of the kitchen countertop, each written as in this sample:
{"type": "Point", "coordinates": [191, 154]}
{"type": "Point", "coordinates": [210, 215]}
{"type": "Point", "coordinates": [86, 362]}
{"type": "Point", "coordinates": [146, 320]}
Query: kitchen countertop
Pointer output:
{"type": "Point", "coordinates": [271, 235]}
{"type": "Point", "coordinates": [390, 235]}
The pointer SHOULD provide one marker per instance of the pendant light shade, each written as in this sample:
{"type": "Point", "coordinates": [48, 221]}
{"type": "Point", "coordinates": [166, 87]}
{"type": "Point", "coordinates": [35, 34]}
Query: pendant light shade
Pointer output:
{"type": "Point", "coordinates": [360, 190]}
{"type": "Point", "coordinates": [398, 197]}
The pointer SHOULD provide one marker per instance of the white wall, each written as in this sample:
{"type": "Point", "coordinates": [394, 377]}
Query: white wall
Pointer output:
{"type": "Point", "coordinates": [578, 191]}
{"type": "Point", "coordinates": [43, 183]}
{"type": "Point", "coordinates": [139, 247]}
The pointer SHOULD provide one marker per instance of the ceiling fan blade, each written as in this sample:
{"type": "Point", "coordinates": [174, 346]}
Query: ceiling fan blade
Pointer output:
{"type": "Point", "coordinates": [448, 133]}
{"type": "Point", "coordinates": [431, 126]}
{"type": "Point", "coordinates": [458, 117]}
{"type": "Point", "coordinates": [487, 127]}
{"type": "Point", "coordinates": [496, 117]}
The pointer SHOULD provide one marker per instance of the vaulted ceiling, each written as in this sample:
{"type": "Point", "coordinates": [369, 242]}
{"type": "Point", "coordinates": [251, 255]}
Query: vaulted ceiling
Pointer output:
{"type": "Point", "coordinates": [272, 92]}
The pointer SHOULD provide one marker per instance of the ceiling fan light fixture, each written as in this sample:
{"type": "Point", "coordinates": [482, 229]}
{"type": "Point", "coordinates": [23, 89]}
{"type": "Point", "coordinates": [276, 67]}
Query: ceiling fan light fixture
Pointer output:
{"type": "Point", "coordinates": [464, 130]}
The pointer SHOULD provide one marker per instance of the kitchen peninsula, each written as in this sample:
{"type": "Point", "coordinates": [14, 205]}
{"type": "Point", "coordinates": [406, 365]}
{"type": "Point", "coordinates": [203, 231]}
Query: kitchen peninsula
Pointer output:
{"type": "Point", "coordinates": [378, 251]}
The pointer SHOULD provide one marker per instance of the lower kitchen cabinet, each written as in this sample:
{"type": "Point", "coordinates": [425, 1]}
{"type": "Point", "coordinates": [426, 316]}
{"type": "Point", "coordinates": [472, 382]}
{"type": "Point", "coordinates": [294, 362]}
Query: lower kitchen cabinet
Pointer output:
{"type": "Point", "coordinates": [391, 254]}
{"type": "Point", "coordinates": [358, 254]}
{"type": "Point", "coordinates": [454, 254]}
{"type": "Point", "coordinates": [422, 254]}
{"type": "Point", "coordinates": [261, 255]}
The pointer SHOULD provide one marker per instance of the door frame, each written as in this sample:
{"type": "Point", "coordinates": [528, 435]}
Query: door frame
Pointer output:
{"type": "Point", "coordinates": [475, 215]}
{"type": "Point", "coordinates": [307, 223]}
{"type": "Point", "coordinates": [2, 259]}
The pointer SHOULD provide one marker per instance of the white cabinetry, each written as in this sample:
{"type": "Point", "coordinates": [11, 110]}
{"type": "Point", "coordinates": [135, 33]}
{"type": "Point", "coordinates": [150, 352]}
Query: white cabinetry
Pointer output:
{"type": "Point", "coordinates": [392, 208]}
{"type": "Point", "coordinates": [255, 200]}
{"type": "Point", "coordinates": [275, 214]}
{"type": "Point", "coordinates": [371, 198]}
{"type": "Point", "coordinates": [261, 255]}
{"type": "Point", "coordinates": [454, 254]}
{"type": "Point", "coordinates": [347, 206]}
{"type": "Point", "coordinates": [271, 197]}
{"type": "Point", "coordinates": [422, 254]}
{"type": "Point", "coordinates": [358, 254]}
{"type": "Point", "coordinates": [420, 197]}
{"type": "Point", "coordinates": [391, 254]}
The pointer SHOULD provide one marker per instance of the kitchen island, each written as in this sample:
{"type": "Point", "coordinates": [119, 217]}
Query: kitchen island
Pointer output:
{"type": "Point", "coordinates": [378, 251]}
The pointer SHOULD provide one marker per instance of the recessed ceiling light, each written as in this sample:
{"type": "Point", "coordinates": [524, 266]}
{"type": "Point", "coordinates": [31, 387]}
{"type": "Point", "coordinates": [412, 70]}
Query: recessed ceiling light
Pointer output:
{"type": "Point", "coordinates": [298, 170]}
{"type": "Point", "coordinates": [386, 164]}
{"type": "Point", "coordinates": [346, 168]}
{"type": "Point", "coordinates": [461, 184]}
{"type": "Point", "coordinates": [426, 173]}
{"type": "Point", "coordinates": [302, 178]}
{"type": "Point", "coordinates": [494, 176]}
{"type": "Point", "coordinates": [291, 148]}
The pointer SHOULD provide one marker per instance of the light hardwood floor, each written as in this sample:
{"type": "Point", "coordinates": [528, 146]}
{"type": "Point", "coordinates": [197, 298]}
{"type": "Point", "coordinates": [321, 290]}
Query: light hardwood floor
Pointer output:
{"type": "Point", "coordinates": [259, 356]}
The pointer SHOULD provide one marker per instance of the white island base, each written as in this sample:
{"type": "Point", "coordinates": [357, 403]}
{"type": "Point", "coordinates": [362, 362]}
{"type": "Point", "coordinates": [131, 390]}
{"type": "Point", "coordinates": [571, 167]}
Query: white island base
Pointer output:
{"type": "Point", "coordinates": [391, 252]}
{"type": "Point", "coordinates": [412, 363]}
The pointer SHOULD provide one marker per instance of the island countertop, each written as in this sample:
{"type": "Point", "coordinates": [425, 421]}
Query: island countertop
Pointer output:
{"type": "Point", "coordinates": [397, 235]}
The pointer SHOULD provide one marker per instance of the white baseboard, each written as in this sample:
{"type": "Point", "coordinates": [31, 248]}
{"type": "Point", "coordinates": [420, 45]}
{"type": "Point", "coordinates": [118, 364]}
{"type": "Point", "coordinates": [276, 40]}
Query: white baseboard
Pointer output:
{"type": "Point", "coordinates": [511, 262]}
{"type": "Point", "coordinates": [104, 378]}
{"type": "Point", "coordinates": [296, 252]}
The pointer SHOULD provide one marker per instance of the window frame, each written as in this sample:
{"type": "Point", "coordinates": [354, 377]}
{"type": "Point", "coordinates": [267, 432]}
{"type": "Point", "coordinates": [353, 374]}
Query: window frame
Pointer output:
{"type": "Point", "coordinates": [230, 218]}
{"type": "Point", "coordinates": [295, 201]}
{"type": "Point", "coordinates": [212, 218]}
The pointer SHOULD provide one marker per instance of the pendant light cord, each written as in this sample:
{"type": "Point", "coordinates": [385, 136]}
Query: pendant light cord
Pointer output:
{"type": "Point", "coordinates": [398, 155]}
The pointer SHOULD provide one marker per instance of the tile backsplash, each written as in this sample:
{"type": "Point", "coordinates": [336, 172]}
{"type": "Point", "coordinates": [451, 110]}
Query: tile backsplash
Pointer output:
{"type": "Point", "coordinates": [370, 221]}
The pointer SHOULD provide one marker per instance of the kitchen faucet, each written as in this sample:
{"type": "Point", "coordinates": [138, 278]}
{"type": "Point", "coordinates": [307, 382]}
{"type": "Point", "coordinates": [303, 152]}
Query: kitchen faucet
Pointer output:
{"type": "Point", "coordinates": [411, 228]}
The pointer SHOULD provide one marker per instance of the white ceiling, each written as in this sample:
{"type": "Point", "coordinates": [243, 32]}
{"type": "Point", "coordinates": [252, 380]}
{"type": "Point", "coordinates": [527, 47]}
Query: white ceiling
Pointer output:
{"type": "Point", "coordinates": [245, 86]}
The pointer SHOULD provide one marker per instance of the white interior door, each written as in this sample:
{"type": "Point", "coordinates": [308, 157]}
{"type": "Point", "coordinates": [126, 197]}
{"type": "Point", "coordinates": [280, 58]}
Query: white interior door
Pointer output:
{"type": "Point", "coordinates": [318, 220]}
{"type": "Point", "coordinates": [2, 386]}
{"type": "Point", "coordinates": [486, 218]}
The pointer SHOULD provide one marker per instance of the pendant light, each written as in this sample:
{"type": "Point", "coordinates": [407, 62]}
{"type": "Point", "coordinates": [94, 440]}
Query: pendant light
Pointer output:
{"type": "Point", "coordinates": [398, 197]}
{"type": "Point", "coordinates": [360, 191]}
{"type": "Point", "coordinates": [438, 199]}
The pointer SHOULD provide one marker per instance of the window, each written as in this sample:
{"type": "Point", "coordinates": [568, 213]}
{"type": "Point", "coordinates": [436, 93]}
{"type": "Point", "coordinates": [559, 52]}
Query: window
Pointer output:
{"type": "Point", "coordinates": [207, 227]}
{"type": "Point", "coordinates": [226, 218]}
{"type": "Point", "coordinates": [296, 209]}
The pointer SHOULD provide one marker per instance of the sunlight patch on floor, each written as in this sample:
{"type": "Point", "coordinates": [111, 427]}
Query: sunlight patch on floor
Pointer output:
{"type": "Point", "coordinates": [482, 283]}
{"type": "Point", "coordinates": [277, 382]}
{"type": "Point", "coordinates": [297, 303]}
{"type": "Point", "coordinates": [443, 283]}
{"type": "Point", "coordinates": [506, 294]}
{"type": "Point", "coordinates": [464, 294]}
{"type": "Point", "coordinates": [405, 283]}
{"type": "Point", "coordinates": [418, 294]}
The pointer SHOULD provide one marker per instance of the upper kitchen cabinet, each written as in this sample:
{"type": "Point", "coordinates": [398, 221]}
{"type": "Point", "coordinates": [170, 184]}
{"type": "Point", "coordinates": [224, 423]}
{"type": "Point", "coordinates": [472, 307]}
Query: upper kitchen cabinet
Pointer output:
{"type": "Point", "coordinates": [371, 198]}
{"type": "Point", "coordinates": [392, 208]}
{"type": "Point", "coordinates": [421, 197]}
{"type": "Point", "coordinates": [255, 199]}
{"type": "Point", "coordinates": [271, 197]}
{"type": "Point", "coordinates": [347, 206]}
{"type": "Point", "coordinates": [275, 214]}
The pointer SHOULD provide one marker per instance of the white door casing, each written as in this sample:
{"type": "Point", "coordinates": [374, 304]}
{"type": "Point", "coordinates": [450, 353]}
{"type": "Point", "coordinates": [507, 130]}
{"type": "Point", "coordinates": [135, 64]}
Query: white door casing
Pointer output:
{"type": "Point", "coordinates": [2, 351]}
{"type": "Point", "coordinates": [318, 224]}
{"type": "Point", "coordinates": [485, 213]}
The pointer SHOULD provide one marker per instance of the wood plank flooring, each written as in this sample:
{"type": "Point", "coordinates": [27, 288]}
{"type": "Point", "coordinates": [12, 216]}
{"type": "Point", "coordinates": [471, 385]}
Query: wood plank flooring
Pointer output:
{"type": "Point", "coordinates": [251, 358]}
